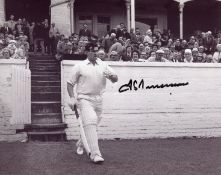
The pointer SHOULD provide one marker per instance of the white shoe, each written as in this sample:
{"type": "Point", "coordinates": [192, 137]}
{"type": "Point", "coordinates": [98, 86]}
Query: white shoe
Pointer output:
{"type": "Point", "coordinates": [97, 159]}
{"type": "Point", "coordinates": [80, 149]}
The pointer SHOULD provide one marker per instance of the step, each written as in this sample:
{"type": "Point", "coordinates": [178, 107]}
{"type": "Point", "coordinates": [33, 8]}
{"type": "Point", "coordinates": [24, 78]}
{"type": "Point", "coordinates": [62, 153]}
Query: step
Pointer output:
{"type": "Point", "coordinates": [46, 126]}
{"type": "Point", "coordinates": [46, 83]}
{"type": "Point", "coordinates": [46, 96]}
{"type": "Point", "coordinates": [45, 73]}
{"type": "Point", "coordinates": [46, 89]}
{"type": "Point", "coordinates": [45, 69]}
{"type": "Point", "coordinates": [47, 136]}
{"type": "Point", "coordinates": [33, 61]}
{"type": "Point", "coordinates": [46, 107]}
{"type": "Point", "coordinates": [46, 118]}
{"type": "Point", "coordinates": [45, 77]}
{"type": "Point", "coordinates": [40, 63]}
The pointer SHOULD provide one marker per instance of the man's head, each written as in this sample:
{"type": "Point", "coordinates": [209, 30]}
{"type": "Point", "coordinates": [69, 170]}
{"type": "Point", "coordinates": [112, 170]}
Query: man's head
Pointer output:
{"type": "Point", "coordinates": [12, 17]}
{"type": "Point", "coordinates": [195, 52]}
{"type": "Point", "coordinates": [91, 50]}
{"type": "Point", "coordinates": [218, 47]}
{"type": "Point", "coordinates": [143, 55]}
{"type": "Point", "coordinates": [114, 56]}
{"type": "Point", "coordinates": [101, 54]}
{"type": "Point", "coordinates": [85, 26]}
{"type": "Point", "coordinates": [159, 54]}
{"type": "Point", "coordinates": [122, 25]}
{"type": "Point", "coordinates": [113, 36]}
{"type": "Point", "coordinates": [149, 32]}
{"type": "Point", "coordinates": [188, 54]}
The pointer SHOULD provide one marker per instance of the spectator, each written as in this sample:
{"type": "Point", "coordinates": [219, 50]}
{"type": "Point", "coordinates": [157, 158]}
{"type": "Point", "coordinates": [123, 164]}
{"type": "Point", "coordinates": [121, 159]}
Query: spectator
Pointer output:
{"type": "Point", "coordinates": [217, 54]}
{"type": "Point", "coordinates": [11, 22]}
{"type": "Point", "coordinates": [53, 38]}
{"type": "Point", "coordinates": [108, 42]}
{"type": "Point", "coordinates": [127, 54]}
{"type": "Point", "coordinates": [148, 37]}
{"type": "Point", "coordinates": [159, 57]}
{"type": "Point", "coordinates": [188, 58]}
{"type": "Point", "coordinates": [209, 42]}
{"type": "Point", "coordinates": [85, 31]}
{"type": "Point", "coordinates": [114, 56]}
{"type": "Point", "coordinates": [38, 34]}
{"type": "Point", "coordinates": [5, 29]}
{"type": "Point", "coordinates": [31, 37]}
{"type": "Point", "coordinates": [101, 54]}
{"type": "Point", "coordinates": [135, 56]}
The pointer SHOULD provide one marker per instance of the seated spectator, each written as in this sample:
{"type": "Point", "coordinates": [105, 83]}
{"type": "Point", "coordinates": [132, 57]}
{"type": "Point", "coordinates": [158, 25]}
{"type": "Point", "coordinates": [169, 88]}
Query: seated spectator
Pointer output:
{"type": "Point", "coordinates": [201, 52]}
{"type": "Point", "coordinates": [101, 54]}
{"type": "Point", "coordinates": [127, 54]}
{"type": "Point", "coordinates": [135, 56]}
{"type": "Point", "coordinates": [19, 52]}
{"type": "Point", "coordinates": [114, 56]}
{"type": "Point", "coordinates": [188, 58]}
{"type": "Point", "coordinates": [143, 56]}
{"type": "Point", "coordinates": [195, 54]}
{"type": "Point", "coordinates": [117, 47]}
{"type": "Point", "coordinates": [217, 54]}
{"type": "Point", "coordinates": [159, 57]}
{"type": "Point", "coordinates": [209, 58]}
{"type": "Point", "coordinates": [6, 29]}
{"type": "Point", "coordinates": [6, 53]}
{"type": "Point", "coordinates": [152, 56]}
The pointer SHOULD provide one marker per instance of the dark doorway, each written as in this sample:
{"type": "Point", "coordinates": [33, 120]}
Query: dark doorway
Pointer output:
{"type": "Point", "coordinates": [32, 10]}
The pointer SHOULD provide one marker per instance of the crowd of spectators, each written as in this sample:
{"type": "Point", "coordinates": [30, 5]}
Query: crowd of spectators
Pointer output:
{"type": "Point", "coordinates": [14, 39]}
{"type": "Point", "coordinates": [19, 37]}
{"type": "Point", "coordinates": [153, 46]}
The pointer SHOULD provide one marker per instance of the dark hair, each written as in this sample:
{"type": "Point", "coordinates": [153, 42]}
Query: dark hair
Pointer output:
{"type": "Point", "coordinates": [135, 51]}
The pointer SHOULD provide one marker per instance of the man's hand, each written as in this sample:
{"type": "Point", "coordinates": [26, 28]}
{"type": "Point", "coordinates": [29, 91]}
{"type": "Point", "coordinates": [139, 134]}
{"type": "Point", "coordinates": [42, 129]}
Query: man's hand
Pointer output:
{"type": "Point", "coordinates": [110, 76]}
{"type": "Point", "coordinates": [72, 103]}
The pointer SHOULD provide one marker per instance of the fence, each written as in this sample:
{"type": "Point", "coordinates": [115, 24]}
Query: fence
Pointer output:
{"type": "Point", "coordinates": [21, 96]}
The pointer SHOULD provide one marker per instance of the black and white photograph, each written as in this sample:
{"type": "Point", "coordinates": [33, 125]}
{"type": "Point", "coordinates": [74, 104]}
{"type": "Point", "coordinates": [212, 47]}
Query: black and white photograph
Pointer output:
{"type": "Point", "coordinates": [110, 87]}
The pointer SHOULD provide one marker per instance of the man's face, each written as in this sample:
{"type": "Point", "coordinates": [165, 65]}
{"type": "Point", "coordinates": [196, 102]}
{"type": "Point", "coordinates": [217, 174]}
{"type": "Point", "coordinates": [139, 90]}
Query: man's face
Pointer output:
{"type": "Point", "coordinates": [114, 57]}
{"type": "Point", "coordinates": [188, 56]}
{"type": "Point", "coordinates": [121, 25]}
{"type": "Point", "coordinates": [159, 56]}
{"type": "Point", "coordinates": [85, 26]}
{"type": "Point", "coordinates": [91, 54]}
{"type": "Point", "coordinates": [219, 48]}
{"type": "Point", "coordinates": [12, 17]}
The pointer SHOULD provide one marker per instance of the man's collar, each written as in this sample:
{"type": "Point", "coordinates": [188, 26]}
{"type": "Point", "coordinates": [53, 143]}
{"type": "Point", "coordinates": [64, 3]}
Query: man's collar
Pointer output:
{"type": "Point", "coordinates": [89, 62]}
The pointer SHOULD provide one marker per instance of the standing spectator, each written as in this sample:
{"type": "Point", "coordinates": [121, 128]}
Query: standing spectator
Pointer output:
{"type": "Point", "coordinates": [53, 32]}
{"type": "Point", "coordinates": [11, 22]}
{"type": "Point", "coordinates": [108, 42]}
{"type": "Point", "coordinates": [31, 38]}
{"type": "Point", "coordinates": [85, 32]}
{"type": "Point", "coordinates": [118, 47]}
{"type": "Point", "coordinates": [19, 27]}
{"type": "Point", "coordinates": [46, 35]}
{"type": "Point", "coordinates": [209, 42]}
{"type": "Point", "coordinates": [38, 34]}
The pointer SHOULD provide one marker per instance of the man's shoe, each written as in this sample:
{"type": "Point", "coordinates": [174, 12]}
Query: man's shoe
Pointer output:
{"type": "Point", "coordinates": [80, 149]}
{"type": "Point", "coordinates": [97, 159]}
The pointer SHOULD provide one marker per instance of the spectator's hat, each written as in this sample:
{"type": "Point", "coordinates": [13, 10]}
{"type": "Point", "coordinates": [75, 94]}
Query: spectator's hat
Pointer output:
{"type": "Point", "coordinates": [113, 35]}
{"type": "Point", "coordinates": [188, 51]}
{"type": "Point", "coordinates": [160, 51]}
{"type": "Point", "coordinates": [91, 47]}
{"type": "Point", "coordinates": [195, 50]}
{"type": "Point", "coordinates": [101, 51]}
{"type": "Point", "coordinates": [12, 42]}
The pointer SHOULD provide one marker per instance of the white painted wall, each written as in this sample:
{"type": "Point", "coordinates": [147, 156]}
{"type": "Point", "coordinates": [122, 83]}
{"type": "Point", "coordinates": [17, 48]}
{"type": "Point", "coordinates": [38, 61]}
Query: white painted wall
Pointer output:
{"type": "Point", "coordinates": [8, 131]}
{"type": "Point", "coordinates": [192, 110]}
{"type": "Point", "coordinates": [2, 12]}
{"type": "Point", "coordinates": [60, 15]}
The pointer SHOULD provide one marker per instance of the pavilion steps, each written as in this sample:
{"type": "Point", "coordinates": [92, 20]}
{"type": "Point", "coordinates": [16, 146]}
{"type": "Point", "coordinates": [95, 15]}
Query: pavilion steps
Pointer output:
{"type": "Point", "coordinates": [46, 114]}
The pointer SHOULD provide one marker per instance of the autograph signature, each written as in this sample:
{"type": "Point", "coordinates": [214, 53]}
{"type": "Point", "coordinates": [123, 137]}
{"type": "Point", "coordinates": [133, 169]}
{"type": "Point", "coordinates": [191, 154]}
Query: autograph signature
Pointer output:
{"type": "Point", "coordinates": [134, 85]}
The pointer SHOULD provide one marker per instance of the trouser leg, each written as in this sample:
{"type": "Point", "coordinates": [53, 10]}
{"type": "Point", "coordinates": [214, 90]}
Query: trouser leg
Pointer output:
{"type": "Point", "coordinates": [42, 46]}
{"type": "Point", "coordinates": [35, 46]}
{"type": "Point", "coordinates": [90, 119]}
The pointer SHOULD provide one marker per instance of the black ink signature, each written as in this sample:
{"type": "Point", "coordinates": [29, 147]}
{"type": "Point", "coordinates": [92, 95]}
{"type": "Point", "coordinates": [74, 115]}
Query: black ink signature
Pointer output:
{"type": "Point", "coordinates": [134, 85]}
